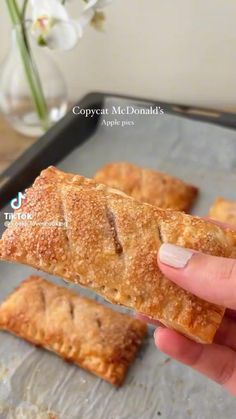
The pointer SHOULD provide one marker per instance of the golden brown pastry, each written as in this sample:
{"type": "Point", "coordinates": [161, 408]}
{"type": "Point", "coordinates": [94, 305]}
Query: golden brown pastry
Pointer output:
{"type": "Point", "coordinates": [224, 210]}
{"type": "Point", "coordinates": [76, 328]}
{"type": "Point", "coordinates": [146, 185]}
{"type": "Point", "coordinates": [102, 239]}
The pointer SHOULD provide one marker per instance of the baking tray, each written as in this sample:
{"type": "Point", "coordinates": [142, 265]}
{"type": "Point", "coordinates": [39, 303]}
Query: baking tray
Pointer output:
{"type": "Point", "coordinates": [73, 130]}
{"type": "Point", "coordinates": [37, 384]}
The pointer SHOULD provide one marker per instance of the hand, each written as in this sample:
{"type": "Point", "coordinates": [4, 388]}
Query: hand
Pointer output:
{"type": "Point", "coordinates": [213, 279]}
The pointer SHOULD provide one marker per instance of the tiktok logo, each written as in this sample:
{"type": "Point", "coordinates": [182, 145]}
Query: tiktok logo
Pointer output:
{"type": "Point", "coordinates": [16, 202]}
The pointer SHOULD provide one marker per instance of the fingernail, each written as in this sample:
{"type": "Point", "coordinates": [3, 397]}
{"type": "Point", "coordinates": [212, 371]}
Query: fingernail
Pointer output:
{"type": "Point", "coordinates": [157, 332]}
{"type": "Point", "coordinates": [174, 256]}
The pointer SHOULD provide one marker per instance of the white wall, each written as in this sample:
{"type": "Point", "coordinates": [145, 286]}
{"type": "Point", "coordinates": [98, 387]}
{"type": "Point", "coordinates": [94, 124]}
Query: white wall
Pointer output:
{"type": "Point", "coordinates": [175, 50]}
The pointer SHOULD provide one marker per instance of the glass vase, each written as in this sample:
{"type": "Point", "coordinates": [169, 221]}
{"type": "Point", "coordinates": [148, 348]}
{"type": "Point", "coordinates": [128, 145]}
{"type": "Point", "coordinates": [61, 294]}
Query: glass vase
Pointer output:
{"type": "Point", "coordinates": [33, 94]}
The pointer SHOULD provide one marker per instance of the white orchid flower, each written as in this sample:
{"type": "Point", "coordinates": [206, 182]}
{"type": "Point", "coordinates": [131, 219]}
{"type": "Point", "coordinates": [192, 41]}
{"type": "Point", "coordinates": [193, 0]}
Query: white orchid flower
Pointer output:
{"type": "Point", "coordinates": [98, 19]}
{"type": "Point", "coordinates": [93, 9]}
{"type": "Point", "coordinates": [96, 4]}
{"type": "Point", "coordinates": [52, 25]}
{"type": "Point", "coordinates": [86, 17]}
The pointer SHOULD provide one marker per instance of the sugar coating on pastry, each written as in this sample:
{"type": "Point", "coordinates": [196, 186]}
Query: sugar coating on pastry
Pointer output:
{"type": "Point", "coordinates": [102, 239]}
{"type": "Point", "coordinates": [147, 185]}
{"type": "Point", "coordinates": [80, 330]}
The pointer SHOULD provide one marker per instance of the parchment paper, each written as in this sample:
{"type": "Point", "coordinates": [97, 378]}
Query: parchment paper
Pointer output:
{"type": "Point", "coordinates": [37, 384]}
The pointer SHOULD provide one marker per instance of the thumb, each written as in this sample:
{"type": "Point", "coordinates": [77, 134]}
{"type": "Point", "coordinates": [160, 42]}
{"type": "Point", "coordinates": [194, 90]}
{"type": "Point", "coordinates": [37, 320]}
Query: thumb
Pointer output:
{"type": "Point", "coordinates": [209, 277]}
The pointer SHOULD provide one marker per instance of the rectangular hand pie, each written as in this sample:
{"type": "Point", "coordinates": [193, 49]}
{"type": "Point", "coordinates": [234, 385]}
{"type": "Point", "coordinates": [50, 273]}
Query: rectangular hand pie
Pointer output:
{"type": "Point", "coordinates": [224, 210]}
{"type": "Point", "coordinates": [102, 239]}
{"type": "Point", "coordinates": [76, 328]}
{"type": "Point", "coordinates": [146, 185]}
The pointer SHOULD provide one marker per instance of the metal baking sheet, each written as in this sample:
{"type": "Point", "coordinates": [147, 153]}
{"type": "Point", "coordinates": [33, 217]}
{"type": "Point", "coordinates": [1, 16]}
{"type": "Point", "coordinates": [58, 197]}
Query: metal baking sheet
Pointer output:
{"type": "Point", "coordinates": [37, 384]}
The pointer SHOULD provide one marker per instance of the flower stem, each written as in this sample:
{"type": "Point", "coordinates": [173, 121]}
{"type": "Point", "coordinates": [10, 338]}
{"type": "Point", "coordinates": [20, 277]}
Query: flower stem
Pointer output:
{"type": "Point", "coordinates": [23, 11]}
{"type": "Point", "coordinates": [30, 68]}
